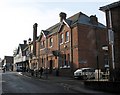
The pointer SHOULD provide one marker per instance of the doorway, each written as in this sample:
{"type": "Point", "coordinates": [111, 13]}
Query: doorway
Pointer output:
{"type": "Point", "coordinates": [51, 66]}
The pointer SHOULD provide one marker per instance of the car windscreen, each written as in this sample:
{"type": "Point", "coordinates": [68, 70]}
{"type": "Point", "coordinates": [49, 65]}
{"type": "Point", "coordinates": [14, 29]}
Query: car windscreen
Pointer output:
{"type": "Point", "coordinates": [88, 70]}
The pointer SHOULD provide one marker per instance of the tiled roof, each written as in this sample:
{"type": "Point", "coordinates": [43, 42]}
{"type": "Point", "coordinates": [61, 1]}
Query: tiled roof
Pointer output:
{"type": "Point", "coordinates": [53, 28]}
{"type": "Point", "coordinates": [77, 18]}
{"type": "Point", "coordinates": [112, 5]}
{"type": "Point", "coordinates": [45, 32]}
{"type": "Point", "coordinates": [22, 46]}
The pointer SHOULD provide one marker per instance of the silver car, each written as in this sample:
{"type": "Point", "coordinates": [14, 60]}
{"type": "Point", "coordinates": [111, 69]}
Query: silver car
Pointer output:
{"type": "Point", "coordinates": [84, 73]}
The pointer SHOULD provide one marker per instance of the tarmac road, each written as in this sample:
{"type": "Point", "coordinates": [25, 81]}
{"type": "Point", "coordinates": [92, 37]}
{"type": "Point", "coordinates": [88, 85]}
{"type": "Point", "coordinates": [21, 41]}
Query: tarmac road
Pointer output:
{"type": "Point", "coordinates": [12, 82]}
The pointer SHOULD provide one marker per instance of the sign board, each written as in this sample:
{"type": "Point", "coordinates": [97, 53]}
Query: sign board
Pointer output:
{"type": "Point", "coordinates": [111, 36]}
{"type": "Point", "coordinates": [105, 47]}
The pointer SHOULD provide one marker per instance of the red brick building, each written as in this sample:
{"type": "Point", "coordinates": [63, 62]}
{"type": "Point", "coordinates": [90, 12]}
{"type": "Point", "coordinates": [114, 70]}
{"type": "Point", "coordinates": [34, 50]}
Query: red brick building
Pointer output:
{"type": "Point", "coordinates": [112, 12]}
{"type": "Point", "coordinates": [72, 43]}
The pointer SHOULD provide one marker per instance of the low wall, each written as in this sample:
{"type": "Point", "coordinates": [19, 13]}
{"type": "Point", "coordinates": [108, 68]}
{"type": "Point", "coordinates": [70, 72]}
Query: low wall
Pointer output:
{"type": "Point", "coordinates": [107, 86]}
{"type": "Point", "coordinates": [66, 72]}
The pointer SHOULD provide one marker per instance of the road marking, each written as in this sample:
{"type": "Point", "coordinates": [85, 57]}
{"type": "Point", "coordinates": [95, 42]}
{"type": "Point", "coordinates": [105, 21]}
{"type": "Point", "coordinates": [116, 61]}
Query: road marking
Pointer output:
{"type": "Point", "coordinates": [20, 73]}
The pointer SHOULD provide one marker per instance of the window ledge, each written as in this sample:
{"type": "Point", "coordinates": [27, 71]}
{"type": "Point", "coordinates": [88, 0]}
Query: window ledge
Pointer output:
{"type": "Point", "coordinates": [67, 42]}
{"type": "Point", "coordinates": [61, 43]}
{"type": "Point", "coordinates": [65, 67]}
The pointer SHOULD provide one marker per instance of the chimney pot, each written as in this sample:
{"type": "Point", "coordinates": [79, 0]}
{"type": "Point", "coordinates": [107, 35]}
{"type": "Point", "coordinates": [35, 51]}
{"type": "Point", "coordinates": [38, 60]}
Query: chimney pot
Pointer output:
{"type": "Point", "coordinates": [25, 41]}
{"type": "Point", "coordinates": [35, 25]}
{"type": "Point", "coordinates": [29, 40]}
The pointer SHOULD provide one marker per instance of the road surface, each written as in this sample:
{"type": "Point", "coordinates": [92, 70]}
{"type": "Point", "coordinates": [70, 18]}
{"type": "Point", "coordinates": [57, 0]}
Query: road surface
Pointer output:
{"type": "Point", "coordinates": [13, 82]}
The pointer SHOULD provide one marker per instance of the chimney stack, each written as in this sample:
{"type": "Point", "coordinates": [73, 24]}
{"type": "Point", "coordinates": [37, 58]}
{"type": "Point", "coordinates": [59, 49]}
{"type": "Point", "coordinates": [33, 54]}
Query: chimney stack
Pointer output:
{"type": "Point", "coordinates": [29, 40]}
{"type": "Point", "coordinates": [25, 42]}
{"type": "Point", "coordinates": [62, 16]}
{"type": "Point", "coordinates": [34, 38]}
{"type": "Point", "coordinates": [94, 19]}
{"type": "Point", "coordinates": [35, 31]}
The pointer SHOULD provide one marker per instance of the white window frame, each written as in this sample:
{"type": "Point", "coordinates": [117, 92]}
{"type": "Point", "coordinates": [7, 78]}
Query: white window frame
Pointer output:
{"type": "Point", "coordinates": [51, 42]}
{"type": "Point", "coordinates": [67, 36]}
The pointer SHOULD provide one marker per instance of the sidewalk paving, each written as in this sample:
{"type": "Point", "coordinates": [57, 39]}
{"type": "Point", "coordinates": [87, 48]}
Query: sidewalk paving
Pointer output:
{"type": "Point", "coordinates": [67, 82]}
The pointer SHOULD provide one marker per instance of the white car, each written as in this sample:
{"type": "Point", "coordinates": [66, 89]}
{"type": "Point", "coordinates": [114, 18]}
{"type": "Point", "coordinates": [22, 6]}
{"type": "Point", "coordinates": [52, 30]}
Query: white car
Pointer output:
{"type": "Point", "coordinates": [85, 73]}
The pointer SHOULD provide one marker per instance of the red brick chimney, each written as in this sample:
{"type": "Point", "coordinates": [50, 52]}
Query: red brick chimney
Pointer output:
{"type": "Point", "coordinates": [62, 16]}
{"type": "Point", "coordinates": [93, 19]}
{"type": "Point", "coordinates": [34, 38]}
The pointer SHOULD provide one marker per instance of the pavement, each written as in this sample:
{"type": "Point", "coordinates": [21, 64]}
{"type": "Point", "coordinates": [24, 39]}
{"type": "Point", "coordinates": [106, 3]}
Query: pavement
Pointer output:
{"type": "Point", "coordinates": [68, 83]}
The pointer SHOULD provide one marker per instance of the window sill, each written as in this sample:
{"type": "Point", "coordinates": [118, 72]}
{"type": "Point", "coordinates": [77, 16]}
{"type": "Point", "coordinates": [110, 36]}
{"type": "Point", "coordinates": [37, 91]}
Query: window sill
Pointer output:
{"type": "Point", "coordinates": [64, 67]}
{"type": "Point", "coordinates": [67, 42]}
{"type": "Point", "coordinates": [42, 48]}
{"type": "Point", "coordinates": [61, 43]}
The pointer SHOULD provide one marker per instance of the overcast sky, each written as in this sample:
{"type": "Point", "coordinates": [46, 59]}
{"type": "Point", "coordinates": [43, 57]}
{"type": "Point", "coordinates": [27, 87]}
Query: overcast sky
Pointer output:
{"type": "Point", "coordinates": [18, 16]}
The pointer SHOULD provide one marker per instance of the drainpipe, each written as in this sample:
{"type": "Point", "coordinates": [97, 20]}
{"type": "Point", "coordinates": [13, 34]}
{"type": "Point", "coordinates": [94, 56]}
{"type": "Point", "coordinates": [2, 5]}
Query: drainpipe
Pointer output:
{"type": "Point", "coordinates": [97, 52]}
{"type": "Point", "coordinates": [111, 42]}
{"type": "Point", "coordinates": [38, 54]}
{"type": "Point", "coordinates": [71, 50]}
{"type": "Point", "coordinates": [58, 65]}
{"type": "Point", "coordinates": [46, 52]}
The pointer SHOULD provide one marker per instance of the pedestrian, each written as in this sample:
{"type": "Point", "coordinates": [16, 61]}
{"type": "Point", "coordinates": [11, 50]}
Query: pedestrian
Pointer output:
{"type": "Point", "coordinates": [3, 69]}
{"type": "Point", "coordinates": [41, 71]}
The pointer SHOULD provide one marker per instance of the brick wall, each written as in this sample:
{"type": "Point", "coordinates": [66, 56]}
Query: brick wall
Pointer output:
{"type": "Point", "coordinates": [115, 13]}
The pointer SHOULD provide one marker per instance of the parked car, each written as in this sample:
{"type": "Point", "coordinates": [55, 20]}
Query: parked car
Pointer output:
{"type": "Point", "coordinates": [19, 69]}
{"type": "Point", "coordinates": [85, 73]}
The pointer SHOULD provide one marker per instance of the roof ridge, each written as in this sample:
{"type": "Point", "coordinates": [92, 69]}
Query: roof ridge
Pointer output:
{"type": "Point", "coordinates": [111, 5]}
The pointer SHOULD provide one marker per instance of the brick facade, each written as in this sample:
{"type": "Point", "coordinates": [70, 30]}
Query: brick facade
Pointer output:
{"type": "Point", "coordinates": [112, 12]}
{"type": "Point", "coordinates": [76, 49]}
